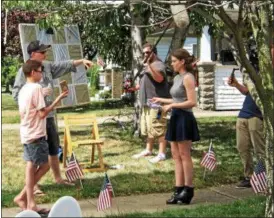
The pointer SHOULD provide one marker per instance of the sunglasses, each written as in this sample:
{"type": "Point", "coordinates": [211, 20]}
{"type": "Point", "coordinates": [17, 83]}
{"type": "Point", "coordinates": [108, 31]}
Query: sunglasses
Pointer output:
{"type": "Point", "coordinates": [42, 52]}
{"type": "Point", "coordinates": [38, 71]}
{"type": "Point", "coordinates": [146, 52]}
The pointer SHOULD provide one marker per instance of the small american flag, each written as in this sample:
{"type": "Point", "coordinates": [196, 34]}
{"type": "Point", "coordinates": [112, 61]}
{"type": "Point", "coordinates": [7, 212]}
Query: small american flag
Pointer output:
{"type": "Point", "coordinates": [73, 170]}
{"type": "Point", "coordinates": [209, 160]}
{"type": "Point", "coordinates": [100, 61]}
{"type": "Point", "coordinates": [258, 179]}
{"type": "Point", "coordinates": [106, 194]}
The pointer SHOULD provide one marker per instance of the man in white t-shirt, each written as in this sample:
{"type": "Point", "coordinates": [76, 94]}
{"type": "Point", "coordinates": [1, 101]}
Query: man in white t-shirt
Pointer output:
{"type": "Point", "coordinates": [33, 113]}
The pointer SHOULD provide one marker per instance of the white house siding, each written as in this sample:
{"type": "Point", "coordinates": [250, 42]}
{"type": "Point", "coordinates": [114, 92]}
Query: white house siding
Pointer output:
{"type": "Point", "coordinates": [163, 45]}
{"type": "Point", "coordinates": [226, 97]}
{"type": "Point", "coordinates": [189, 44]}
{"type": "Point", "coordinates": [162, 49]}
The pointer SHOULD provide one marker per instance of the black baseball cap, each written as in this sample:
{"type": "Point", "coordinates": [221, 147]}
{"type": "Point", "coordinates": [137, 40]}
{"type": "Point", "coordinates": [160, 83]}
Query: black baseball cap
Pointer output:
{"type": "Point", "coordinates": [37, 46]}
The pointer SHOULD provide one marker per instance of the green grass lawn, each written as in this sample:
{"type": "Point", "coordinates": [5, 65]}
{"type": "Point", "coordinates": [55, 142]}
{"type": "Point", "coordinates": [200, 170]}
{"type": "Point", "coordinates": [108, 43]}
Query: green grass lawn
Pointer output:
{"type": "Point", "coordinates": [7, 102]}
{"type": "Point", "coordinates": [250, 207]}
{"type": "Point", "coordinates": [138, 176]}
{"type": "Point", "coordinates": [10, 112]}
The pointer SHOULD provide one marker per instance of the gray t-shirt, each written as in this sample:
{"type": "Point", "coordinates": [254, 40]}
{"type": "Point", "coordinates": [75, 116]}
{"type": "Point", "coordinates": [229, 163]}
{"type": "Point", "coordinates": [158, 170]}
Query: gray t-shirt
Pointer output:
{"type": "Point", "coordinates": [149, 88]}
{"type": "Point", "coordinates": [51, 70]}
{"type": "Point", "coordinates": [178, 91]}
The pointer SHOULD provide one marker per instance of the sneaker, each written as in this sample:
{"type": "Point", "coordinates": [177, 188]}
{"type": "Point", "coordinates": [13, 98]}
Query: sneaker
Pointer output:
{"type": "Point", "coordinates": [142, 154]}
{"type": "Point", "coordinates": [244, 183]}
{"type": "Point", "coordinates": [158, 158]}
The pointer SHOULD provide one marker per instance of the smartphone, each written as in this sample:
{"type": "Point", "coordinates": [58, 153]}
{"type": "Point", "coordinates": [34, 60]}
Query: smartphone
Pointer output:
{"type": "Point", "coordinates": [64, 85]}
{"type": "Point", "coordinates": [233, 74]}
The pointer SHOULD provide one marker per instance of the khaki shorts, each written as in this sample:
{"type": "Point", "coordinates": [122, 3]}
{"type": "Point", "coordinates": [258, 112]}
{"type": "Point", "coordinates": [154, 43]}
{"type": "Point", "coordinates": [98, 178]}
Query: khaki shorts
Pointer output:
{"type": "Point", "coordinates": [150, 125]}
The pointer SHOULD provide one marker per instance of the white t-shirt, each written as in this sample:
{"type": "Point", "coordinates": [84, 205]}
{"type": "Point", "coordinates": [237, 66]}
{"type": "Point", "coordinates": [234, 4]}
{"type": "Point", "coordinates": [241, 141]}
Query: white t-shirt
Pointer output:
{"type": "Point", "coordinates": [30, 101]}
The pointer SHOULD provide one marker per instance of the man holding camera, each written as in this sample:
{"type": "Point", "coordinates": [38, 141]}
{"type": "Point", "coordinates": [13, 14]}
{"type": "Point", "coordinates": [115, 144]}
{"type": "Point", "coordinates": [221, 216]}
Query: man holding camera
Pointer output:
{"type": "Point", "coordinates": [153, 83]}
{"type": "Point", "coordinates": [249, 132]}
{"type": "Point", "coordinates": [50, 70]}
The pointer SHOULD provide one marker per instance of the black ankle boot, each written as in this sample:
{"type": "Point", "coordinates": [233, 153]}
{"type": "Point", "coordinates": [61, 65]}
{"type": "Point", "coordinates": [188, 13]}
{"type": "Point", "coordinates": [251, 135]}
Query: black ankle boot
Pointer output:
{"type": "Point", "coordinates": [185, 196]}
{"type": "Point", "coordinates": [173, 199]}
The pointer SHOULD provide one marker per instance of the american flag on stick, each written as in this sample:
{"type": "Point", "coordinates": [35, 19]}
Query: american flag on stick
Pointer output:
{"type": "Point", "coordinates": [73, 170]}
{"type": "Point", "coordinates": [258, 179]}
{"type": "Point", "coordinates": [105, 196]}
{"type": "Point", "coordinates": [209, 160]}
{"type": "Point", "coordinates": [100, 61]}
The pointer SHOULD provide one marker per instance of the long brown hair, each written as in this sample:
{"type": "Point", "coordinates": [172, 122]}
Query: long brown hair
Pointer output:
{"type": "Point", "coordinates": [182, 54]}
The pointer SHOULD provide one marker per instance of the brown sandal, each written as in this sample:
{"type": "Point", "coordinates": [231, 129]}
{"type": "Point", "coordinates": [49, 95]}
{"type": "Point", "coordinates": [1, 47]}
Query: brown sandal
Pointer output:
{"type": "Point", "coordinates": [38, 192]}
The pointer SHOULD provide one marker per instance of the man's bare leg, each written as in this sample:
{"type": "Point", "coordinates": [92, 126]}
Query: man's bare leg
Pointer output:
{"type": "Point", "coordinates": [149, 145]}
{"type": "Point", "coordinates": [21, 198]}
{"type": "Point", "coordinates": [55, 166]}
{"type": "Point", "coordinates": [162, 145]}
{"type": "Point", "coordinates": [30, 169]}
{"type": "Point", "coordinates": [162, 151]}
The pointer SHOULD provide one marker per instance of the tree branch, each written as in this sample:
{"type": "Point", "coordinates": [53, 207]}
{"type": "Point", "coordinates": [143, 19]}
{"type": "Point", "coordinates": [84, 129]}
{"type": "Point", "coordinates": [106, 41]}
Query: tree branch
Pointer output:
{"type": "Point", "coordinates": [166, 11]}
{"type": "Point", "coordinates": [263, 45]}
{"type": "Point", "coordinates": [240, 13]}
{"type": "Point", "coordinates": [254, 21]}
{"type": "Point", "coordinates": [233, 49]}
{"type": "Point", "coordinates": [225, 18]}
{"type": "Point", "coordinates": [241, 49]}
{"type": "Point", "coordinates": [172, 2]}
{"type": "Point", "coordinates": [188, 7]}
{"type": "Point", "coordinates": [6, 26]}
{"type": "Point", "coordinates": [246, 63]}
{"type": "Point", "coordinates": [204, 14]}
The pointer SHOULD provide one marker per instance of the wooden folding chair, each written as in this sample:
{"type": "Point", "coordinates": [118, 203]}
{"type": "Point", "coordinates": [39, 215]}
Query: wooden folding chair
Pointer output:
{"type": "Point", "coordinates": [95, 141]}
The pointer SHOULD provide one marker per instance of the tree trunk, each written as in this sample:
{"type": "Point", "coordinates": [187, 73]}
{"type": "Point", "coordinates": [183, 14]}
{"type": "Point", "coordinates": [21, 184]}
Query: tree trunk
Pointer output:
{"type": "Point", "coordinates": [261, 20]}
{"type": "Point", "coordinates": [269, 165]}
{"type": "Point", "coordinates": [181, 20]}
{"type": "Point", "coordinates": [177, 41]}
{"type": "Point", "coordinates": [137, 37]}
{"type": "Point", "coordinates": [264, 35]}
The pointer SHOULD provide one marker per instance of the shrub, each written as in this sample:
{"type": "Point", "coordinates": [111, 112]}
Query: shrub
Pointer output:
{"type": "Point", "coordinates": [105, 94]}
{"type": "Point", "coordinates": [10, 66]}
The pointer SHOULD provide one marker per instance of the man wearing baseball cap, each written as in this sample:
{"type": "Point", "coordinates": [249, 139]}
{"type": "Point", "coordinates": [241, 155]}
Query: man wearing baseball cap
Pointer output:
{"type": "Point", "coordinates": [51, 70]}
{"type": "Point", "coordinates": [37, 46]}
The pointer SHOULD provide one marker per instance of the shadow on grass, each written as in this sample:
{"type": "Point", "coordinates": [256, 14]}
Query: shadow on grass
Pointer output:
{"type": "Point", "coordinates": [158, 178]}
{"type": "Point", "coordinates": [124, 184]}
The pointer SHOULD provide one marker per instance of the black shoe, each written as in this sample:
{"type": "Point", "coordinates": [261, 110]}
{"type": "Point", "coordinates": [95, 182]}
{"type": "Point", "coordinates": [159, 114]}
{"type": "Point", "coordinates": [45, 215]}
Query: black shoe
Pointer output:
{"type": "Point", "coordinates": [244, 183]}
{"type": "Point", "coordinates": [185, 196]}
{"type": "Point", "coordinates": [173, 199]}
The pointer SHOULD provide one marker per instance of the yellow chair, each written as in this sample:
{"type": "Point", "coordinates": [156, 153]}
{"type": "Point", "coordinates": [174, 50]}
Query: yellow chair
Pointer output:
{"type": "Point", "coordinates": [95, 141]}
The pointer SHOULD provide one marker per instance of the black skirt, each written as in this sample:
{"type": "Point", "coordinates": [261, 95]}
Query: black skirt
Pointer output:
{"type": "Point", "coordinates": [182, 126]}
